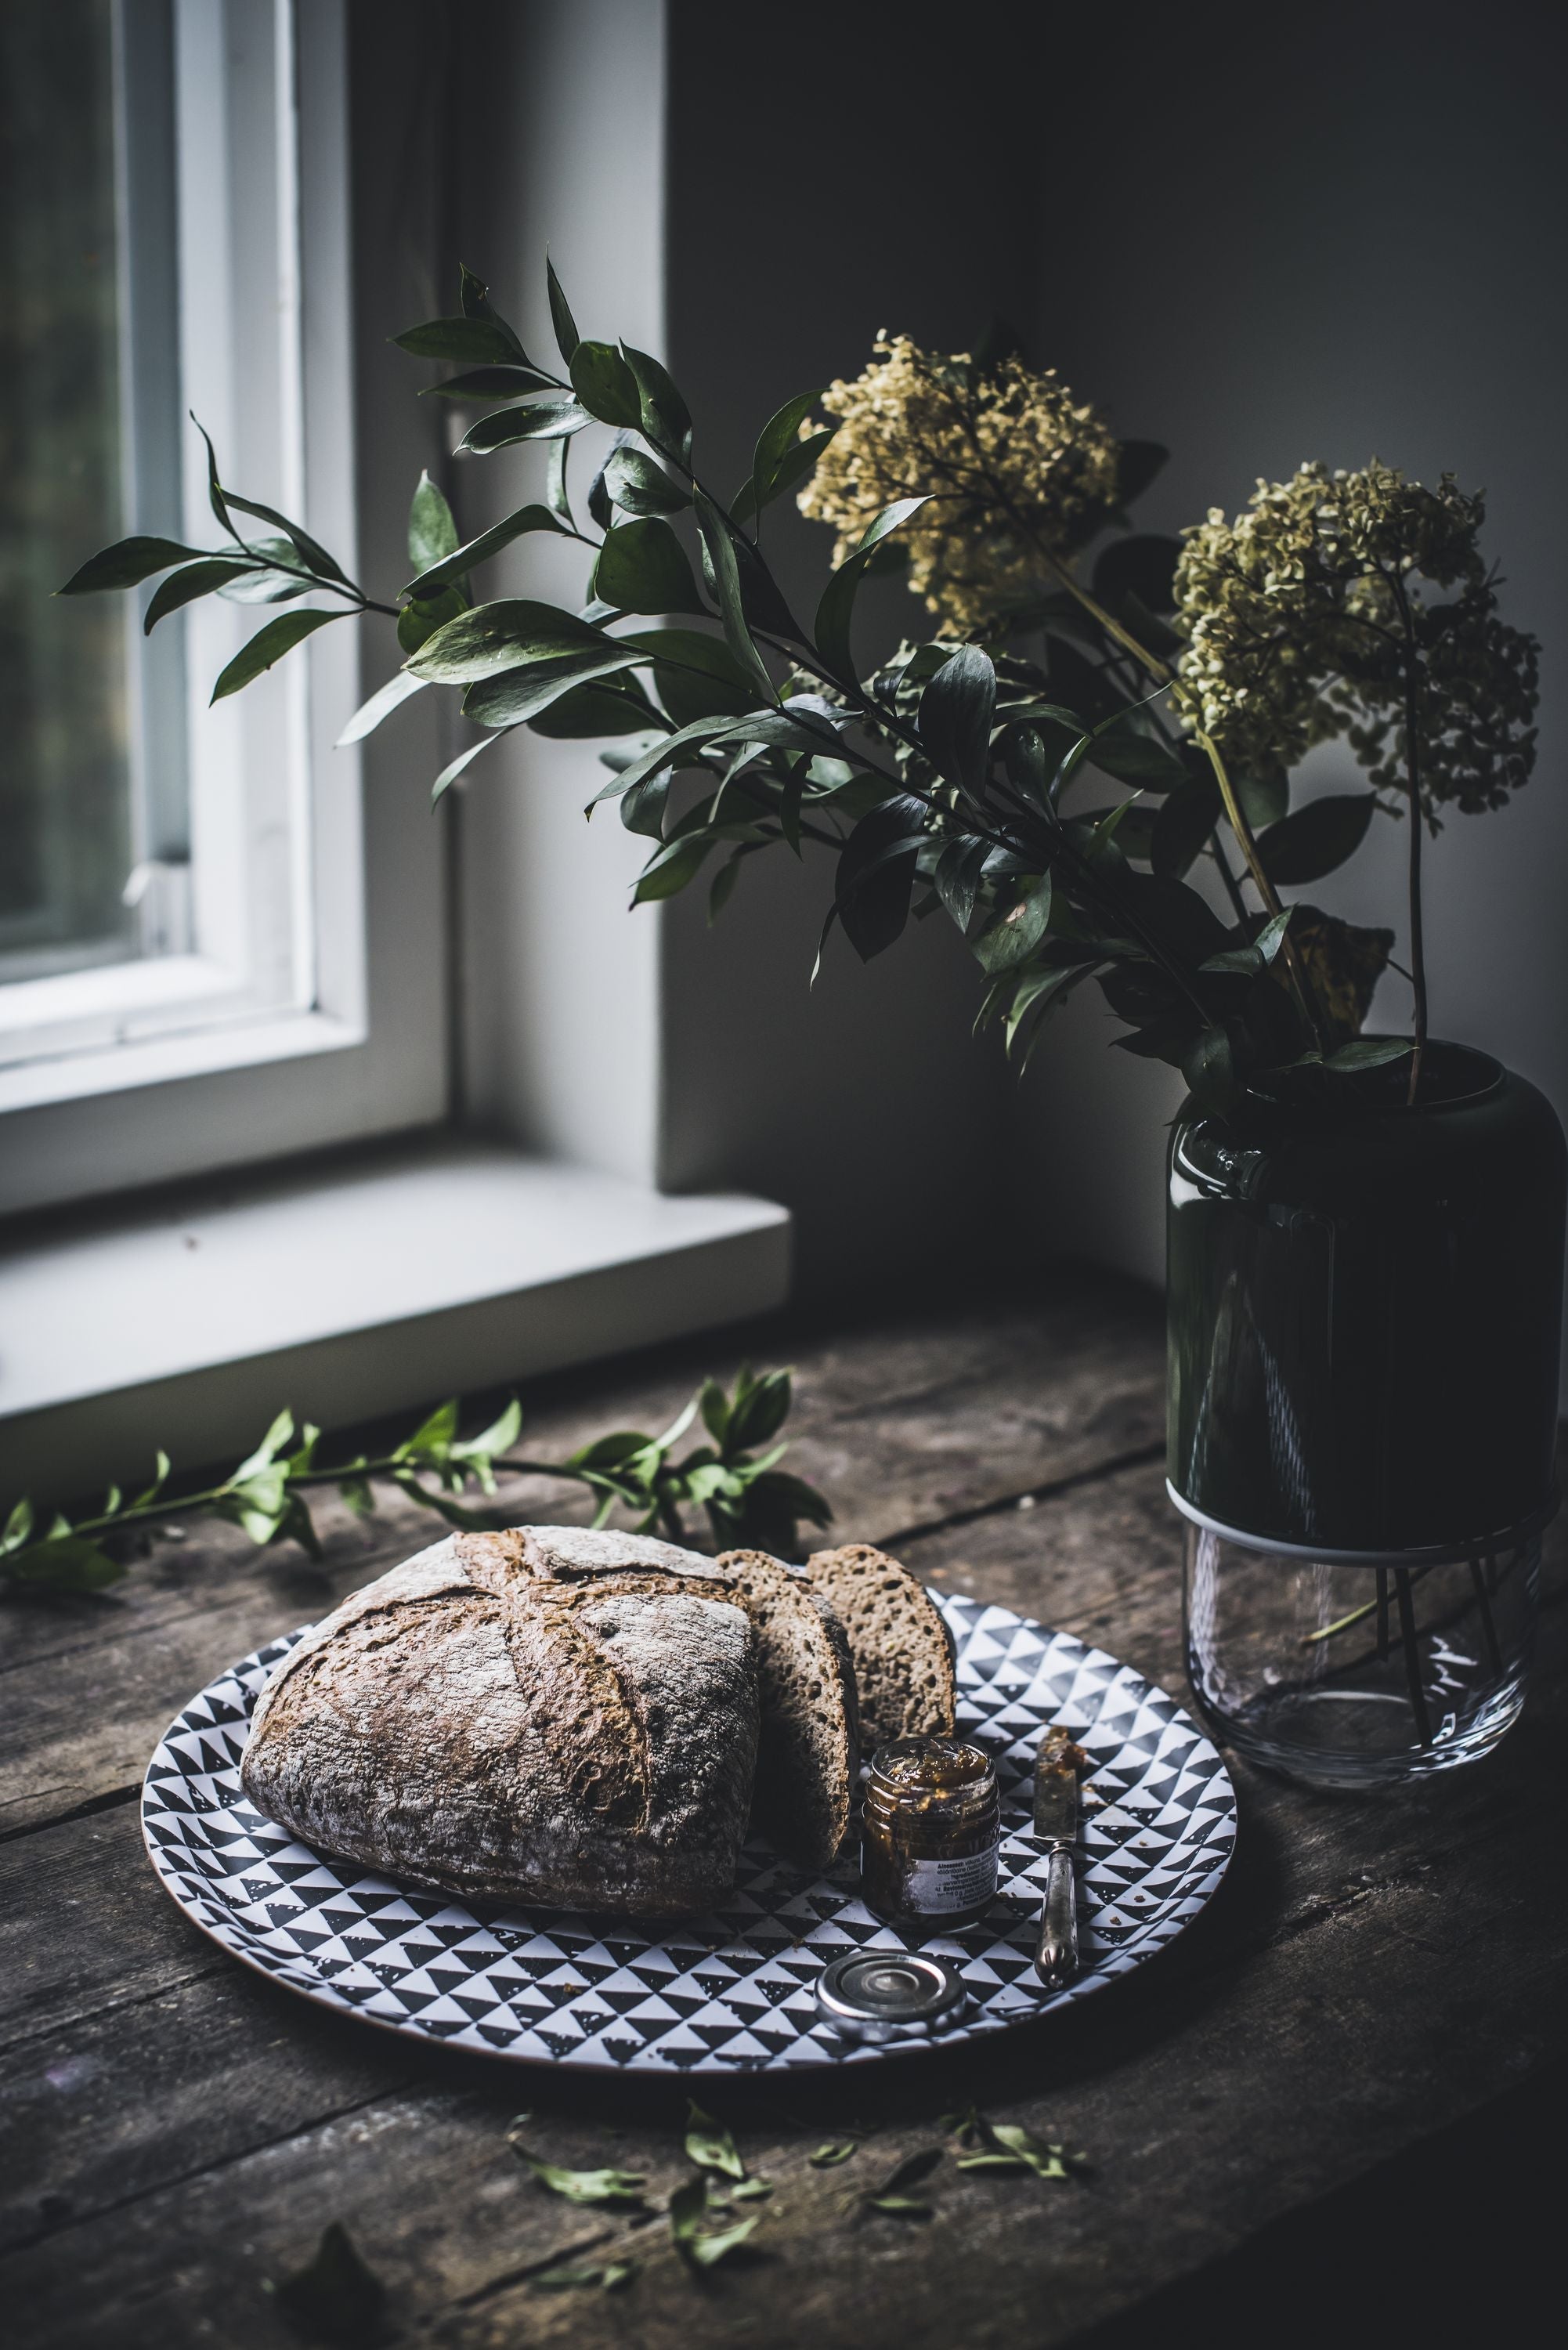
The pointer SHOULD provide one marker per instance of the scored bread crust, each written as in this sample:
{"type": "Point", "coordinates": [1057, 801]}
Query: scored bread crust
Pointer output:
{"type": "Point", "coordinates": [471, 1723]}
{"type": "Point", "coordinates": [898, 1638]}
{"type": "Point", "coordinates": [807, 1751]}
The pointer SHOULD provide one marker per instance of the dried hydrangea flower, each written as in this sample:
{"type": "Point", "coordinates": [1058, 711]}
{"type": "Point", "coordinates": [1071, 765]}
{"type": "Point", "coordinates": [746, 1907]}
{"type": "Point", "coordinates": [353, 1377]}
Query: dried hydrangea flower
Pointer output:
{"type": "Point", "coordinates": [1018, 470]}
{"type": "Point", "coordinates": [1305, 621]}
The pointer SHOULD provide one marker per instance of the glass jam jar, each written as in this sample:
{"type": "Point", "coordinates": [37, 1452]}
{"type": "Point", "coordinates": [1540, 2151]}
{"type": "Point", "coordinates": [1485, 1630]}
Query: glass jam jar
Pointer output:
{"type": "Point", "coordinates": [930, 1832]}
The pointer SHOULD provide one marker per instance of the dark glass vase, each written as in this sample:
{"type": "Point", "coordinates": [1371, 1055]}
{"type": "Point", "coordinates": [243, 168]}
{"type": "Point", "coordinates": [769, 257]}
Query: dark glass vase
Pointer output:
{"type": "Point", "coordinates": [1364, 1317]}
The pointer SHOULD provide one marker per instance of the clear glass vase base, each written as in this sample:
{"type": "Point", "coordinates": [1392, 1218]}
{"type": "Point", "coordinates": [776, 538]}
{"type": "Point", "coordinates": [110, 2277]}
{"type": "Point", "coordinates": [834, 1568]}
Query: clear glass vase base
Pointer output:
{"type": "Point", "coordinates": [1351, 1672]}
{"type": "Point", "coordinates": [1340, 1737]}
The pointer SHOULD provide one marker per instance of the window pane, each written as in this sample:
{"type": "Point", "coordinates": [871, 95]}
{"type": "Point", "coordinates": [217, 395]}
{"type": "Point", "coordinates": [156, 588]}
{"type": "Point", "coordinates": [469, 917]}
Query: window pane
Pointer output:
{"type": "Point", "coordinates": [65, 764]}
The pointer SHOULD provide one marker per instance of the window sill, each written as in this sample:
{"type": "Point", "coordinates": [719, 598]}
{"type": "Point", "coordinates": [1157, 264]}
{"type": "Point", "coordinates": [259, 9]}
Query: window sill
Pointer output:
{"type": "Point", "coordinates": [373, 1285]}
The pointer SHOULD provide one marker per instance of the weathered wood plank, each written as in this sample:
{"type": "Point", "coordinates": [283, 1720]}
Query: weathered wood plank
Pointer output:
{"type": "Point", "coordinates": [1370, 1971]}
{"type": "Point", "coordinates": [950, 1412]}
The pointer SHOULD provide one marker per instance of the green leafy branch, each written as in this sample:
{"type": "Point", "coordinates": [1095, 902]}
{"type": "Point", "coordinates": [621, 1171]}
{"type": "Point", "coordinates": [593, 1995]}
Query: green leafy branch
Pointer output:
{"type": "Point", "coordinates": [748, 1500]}
{"type": "Point", "coordinates": [938, 784]}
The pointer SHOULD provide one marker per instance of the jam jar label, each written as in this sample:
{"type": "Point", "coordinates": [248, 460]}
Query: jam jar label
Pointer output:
{"type": "Point", "coordinates": [933, 1888]}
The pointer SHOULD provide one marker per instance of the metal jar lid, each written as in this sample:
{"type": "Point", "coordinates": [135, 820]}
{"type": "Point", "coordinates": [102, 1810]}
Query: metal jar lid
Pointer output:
{"type": "Point", "coordinates": [888, 1994]}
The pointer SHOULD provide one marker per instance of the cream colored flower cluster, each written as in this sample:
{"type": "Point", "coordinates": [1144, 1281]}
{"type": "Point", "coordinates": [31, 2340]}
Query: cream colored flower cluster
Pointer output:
{"type": "Point", "coordinates": [1018, 472]}
{"type": "Point", "coordinates": [1310, 616]}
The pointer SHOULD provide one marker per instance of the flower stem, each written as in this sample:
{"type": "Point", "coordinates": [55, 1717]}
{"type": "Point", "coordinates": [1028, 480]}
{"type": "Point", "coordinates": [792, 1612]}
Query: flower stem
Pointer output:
{"type": "Point", "coordinates": [1159, 670]}
{"type": "Point", "coordinates": [1413, 786]}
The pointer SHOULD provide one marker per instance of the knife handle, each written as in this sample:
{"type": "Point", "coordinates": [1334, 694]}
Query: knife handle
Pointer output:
{"type": "Point", "coordinates": [1056, 1950]}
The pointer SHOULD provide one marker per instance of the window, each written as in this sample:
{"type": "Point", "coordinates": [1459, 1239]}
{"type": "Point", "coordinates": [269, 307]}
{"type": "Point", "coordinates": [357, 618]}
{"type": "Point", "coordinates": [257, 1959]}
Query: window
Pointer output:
{"type": "Point", "coordinates": [185, 890]}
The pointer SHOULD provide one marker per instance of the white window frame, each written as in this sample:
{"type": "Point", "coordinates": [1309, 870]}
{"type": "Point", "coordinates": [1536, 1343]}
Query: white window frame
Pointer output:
{"type": "Point", "coordinates": [312, 1008]}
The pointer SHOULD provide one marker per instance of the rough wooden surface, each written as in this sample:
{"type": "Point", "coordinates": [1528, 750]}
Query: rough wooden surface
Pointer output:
{"type": "Point", "coordinates": [179, 2131]}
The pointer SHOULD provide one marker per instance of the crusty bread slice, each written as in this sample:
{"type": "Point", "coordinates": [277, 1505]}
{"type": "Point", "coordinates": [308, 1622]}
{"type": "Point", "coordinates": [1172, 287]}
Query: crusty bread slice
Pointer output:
{"type": "Point", "coordinates": [898, 1640]}
{"type": "Point", "coordinates": [806, 1686]}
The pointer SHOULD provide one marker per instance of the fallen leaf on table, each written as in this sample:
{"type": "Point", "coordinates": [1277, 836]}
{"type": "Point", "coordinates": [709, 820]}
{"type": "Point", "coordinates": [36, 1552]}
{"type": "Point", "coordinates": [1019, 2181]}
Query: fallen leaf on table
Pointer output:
{"type": "Point", "coordinates": [893, 2196]}
{"type": "Point", "coordinates": [1008, 2146]}
{"type": "Point", "coordinates": [710, 2144]}
{"type": "Point", "coordinates": [752, 2190]}
{"type": "Point", "coordinates": [335, 2297]}
{"type": "Point", "coordinates": [836, 2151]}
{"type": "Point", "coordinates": [583, 2186]}
{"type": "Point", "coordinates": [687, 2207]}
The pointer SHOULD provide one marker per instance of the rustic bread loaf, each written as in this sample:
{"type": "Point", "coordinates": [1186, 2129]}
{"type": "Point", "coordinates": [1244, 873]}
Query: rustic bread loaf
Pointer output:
{"type": "Point", "coordinates": [898, 1640]}
{"type": "Point", "coordinates": [478, 1722]}
{"type": "Point", "coordinates": [806, 1683]}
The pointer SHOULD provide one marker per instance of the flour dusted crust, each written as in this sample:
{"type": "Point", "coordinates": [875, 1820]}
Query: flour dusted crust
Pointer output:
{"type": "Point", "coordinates": [547, 1715]}
{"type": "Point", "coordinates": [903, 1651]}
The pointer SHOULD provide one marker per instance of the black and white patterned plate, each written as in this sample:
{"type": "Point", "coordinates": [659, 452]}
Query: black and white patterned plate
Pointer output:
{"type": "Point", "coordinates": [732, 1991]}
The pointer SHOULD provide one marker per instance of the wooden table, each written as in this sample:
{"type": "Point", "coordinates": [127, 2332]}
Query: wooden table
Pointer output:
{"type": "Point", "coordinates": [1359, 2006]}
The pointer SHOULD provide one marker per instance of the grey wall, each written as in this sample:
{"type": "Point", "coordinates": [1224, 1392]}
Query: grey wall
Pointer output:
{"type": "Point", "coordinates": [813, 201]}
{"type": "Point", "coordinates": [1333, 231]}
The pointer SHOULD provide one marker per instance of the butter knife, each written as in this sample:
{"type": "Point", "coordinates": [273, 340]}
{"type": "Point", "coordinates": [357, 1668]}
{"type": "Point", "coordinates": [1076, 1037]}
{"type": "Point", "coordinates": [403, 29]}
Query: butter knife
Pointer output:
{"type": "Point", "coordinates": [1056, 1826]}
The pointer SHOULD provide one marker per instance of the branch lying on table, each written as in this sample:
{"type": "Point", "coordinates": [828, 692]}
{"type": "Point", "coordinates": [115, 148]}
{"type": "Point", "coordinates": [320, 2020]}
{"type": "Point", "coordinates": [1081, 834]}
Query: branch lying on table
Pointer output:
{"type": "Point", "coordinates": [750, 1502]}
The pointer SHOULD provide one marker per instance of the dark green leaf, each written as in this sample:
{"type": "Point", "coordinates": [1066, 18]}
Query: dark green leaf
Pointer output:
{"type": "Point", "coordinates": [469, 342]}
{"type": "Point", "coordinates": [667, 872]}
{"type": "Point", "coordinates": [1368, 1052]}
{"type": "Point", "coordinates": [1014, 935]}
{"type": "Point", "coordinates": [525, 692]}
{"type": "Point", "coordinates": [780, 459]}
{"type": "Point", "coordinates": [1145, 567]}
{"type": "Point", "coordinates": [1137, 462]}
{"type": "Point", "coordinates": [504, 635]}
{"type": "Point", "coordinates": [1036, 993]}
{"type": "Point", "coordinates": [720, 546]}
{"type": "Point", "coordinates": [697, 676]}
{"type": "Point", "coordinates": [836, 612]}
{"type": "Point", "coordinates": [875, 875]}
{"type": "Point", "coordinates": [639, 487]}
{"type": "Point", "coordinates": [665, 420]}
{"type": "Point", "coordinates": [1209, 1070]}
{"type": "Point", "coordinates": [792, 470]}
{"type": "Point", "coordinates": [642, 567]}
{"type": "Point", "coordinates": [432, 533]}
{"type": "Point", "coordinates": [381, 704]}
{"type": "Point", "coordinates": [957, 876]}
{"type": "Point", "coordinates": [196, 579]}
{"type": "Point", "coordinates": [334, 2298]}
{"type": "Point", "coordinates": [418, 620]}
{"type": "Point", "coordinates": [760, 1410]}
{"type": "Point", "coordinates": [269, 645]}
{"type": "Point", "coordinates": [955, 717]}
{"type": "Point", "coordinates": [590, 711]}
{"type": "Point", "coordinates": [710, 2144]}
{"type": "Point", "coordinates": [125, 565]}
{"type": "Point", "coordinates": [1185, 821]}
{"type": "Point", "coordinates": [1265, 799]}
{"type": "Point", "coordinates": [1133, 757]}
{"type": "Point", "coordinates": [315, 556]}
{"type": "Point", "coordinates": [490, 542]}
{"type": "Point", "coordinates": [606, 385]}
{"type": "Point", "coordinates": [450, 772]}
{"type": "Point", "coordinates": [556, 497]}
{"type": "Point", "coordinates": [561, 319]}
{"type": "Point", "coordinates": [668, 754]}
{"type": "Point", "coordinates": [538, 420]}
{"type": "Point", "coordinates": [1316, 838]}
{"type": "Point", "coordinates": [490, 383]}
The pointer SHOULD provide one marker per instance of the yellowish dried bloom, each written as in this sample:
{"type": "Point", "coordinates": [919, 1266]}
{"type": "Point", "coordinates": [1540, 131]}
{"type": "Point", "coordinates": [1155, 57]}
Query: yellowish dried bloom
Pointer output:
{"type": "Point", "coordinates": [1019, 472]}
{"type": "Point", "coordinates": [1310, 616]}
